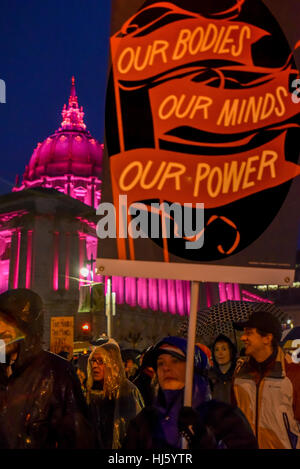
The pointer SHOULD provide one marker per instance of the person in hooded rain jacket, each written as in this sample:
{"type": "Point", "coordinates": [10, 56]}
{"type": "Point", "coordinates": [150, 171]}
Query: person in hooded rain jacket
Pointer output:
{"type": "Point", "coordinates": [207, 424]}
{"type": "Point", "coordinates": [224, 356]}
{"type": "Point", "coordinates": [41, 403]}
{"type": "Point", "coordinates": [113, 400]}
{"type": "Point", "coordinates": [145, 379]}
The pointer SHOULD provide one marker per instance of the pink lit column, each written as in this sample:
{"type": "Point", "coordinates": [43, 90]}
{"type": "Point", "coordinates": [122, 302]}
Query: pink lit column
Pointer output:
{"type": "Point", "coordinates": [237, 292]}
{"type": "Point", "coordinates": [130, 291]}
{"type": "Point", "coordinates": [180, 297]}
{"type": "Point", "coordinates": [209, 294]}
{"type": "Point", "coordinates": [171, 296]}
{"type": "Point", "coordinates": [82, 255]}
{"type": "Point", "coordinates": [229, 291]}
{"type": "Point", "coordinates": [163, 295]}
{"type": "Point", "coordinates": [142, 292]}
{"type": "Point", "coordinates": [17, 236]}
{"type": "Point", "coordinates": [153, 294]}
{"type": "Point", "coordinates": [67, 260]}
{"type": "Point", "coordinates": [117, 286]}
{"type": "Point", "coordinates": [55, 259]}
{"type": "Point", "coordinates": [222, 292]}
{"type": "Point", "coordinates": [28, 259]}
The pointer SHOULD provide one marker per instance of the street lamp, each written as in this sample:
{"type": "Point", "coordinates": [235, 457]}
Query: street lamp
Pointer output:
{"type": "Point", "coordinates": [110, 307]}
{"type": "Point", "coordinates": [110, 297]}
{"type": "Point", "coordinates": [85, 271]}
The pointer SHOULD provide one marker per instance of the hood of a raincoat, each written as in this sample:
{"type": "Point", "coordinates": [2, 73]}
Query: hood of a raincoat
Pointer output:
{"type": "Point", "coordinates": [169, 402]}
{"type": "Point", "coordinates": [114, 371]}
{"type": "Point", "coordinates": [201, 364]}
{"type": "Point", "coordinates": [126, 398]}
{"type": "Point", "coordinates": [232, 348]}
{"type": "Point", "coordinates": [24, 309]}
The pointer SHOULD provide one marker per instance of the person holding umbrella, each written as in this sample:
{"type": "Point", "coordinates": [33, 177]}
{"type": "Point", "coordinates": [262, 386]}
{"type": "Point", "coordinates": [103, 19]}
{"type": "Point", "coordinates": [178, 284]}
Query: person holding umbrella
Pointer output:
{"type": "Point", "coordinates": [266, 387]}
{"type": "Point", "coordinates": [207, 424]}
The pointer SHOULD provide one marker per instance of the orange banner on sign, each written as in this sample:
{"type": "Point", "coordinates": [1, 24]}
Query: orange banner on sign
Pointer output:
{"type": "Point", "coordinates": [184, 102]}
{"type": "Point", "coordinates": [143, 174]}
{"type": "Point", "coordinates": [139, 53]}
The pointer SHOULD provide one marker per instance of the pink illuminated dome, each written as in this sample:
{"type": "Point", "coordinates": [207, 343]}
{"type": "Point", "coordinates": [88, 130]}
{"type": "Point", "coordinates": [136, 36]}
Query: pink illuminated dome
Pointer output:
{"type": "Point", "coordinates": [70, 160]}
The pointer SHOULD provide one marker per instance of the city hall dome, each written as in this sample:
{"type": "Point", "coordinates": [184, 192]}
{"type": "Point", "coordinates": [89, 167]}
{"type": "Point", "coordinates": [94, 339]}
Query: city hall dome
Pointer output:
{"type": "Point", "coordinates": [70, 160]}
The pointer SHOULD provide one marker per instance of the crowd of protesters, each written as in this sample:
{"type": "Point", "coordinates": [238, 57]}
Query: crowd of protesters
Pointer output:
{"type": "Point", "coordinates": [118, 401]}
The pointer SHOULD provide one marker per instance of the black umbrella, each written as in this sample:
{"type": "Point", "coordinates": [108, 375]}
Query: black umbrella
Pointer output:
{"type": "Point", "coordinates": [292, 335]}
{"type": "Point", "coordinates": [219, 318]}
{"type": "Point", "coordinates": [130, 353]}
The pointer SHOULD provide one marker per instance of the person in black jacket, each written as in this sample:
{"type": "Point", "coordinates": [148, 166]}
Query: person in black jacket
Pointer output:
{"type": "Point", "coordinates": [41, 403]}
{"type": "Point", "coordinates": [145, 379]}
{"type": "Point", "coordinates": [224, 356]}
{"type": "Point", "coordinates": [208, 424]}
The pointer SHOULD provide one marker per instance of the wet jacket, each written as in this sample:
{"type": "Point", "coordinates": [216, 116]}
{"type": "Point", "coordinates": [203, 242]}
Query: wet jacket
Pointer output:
{"type": "Point", "coordinates": [158, 426]}
{"type": "Point", "coordinates": [270, 401]}
{"type": "Point", "coordinates": [221, 383]}
{"type": "Point", "coordinates": [116, 403]}
{"type": "Point", "coordinates": [216, 425]}
{"type": "Point", "coordinates": [41, 406]}
{"type": "Point", "coordinates": [41, 403]}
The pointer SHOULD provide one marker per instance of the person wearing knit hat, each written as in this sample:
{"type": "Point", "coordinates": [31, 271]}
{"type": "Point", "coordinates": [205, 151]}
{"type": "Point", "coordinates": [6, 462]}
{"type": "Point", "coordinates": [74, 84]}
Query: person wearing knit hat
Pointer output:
{"type": "Point", "coordinates": [206, 425]}
{"type": "Point", "coordinates": [41, 403]}
{"type": "Point", "coordinates": [266, 387]}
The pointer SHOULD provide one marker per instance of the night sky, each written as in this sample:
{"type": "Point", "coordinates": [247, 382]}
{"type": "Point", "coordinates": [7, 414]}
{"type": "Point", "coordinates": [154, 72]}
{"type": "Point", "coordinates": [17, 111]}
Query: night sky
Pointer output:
{"type": "Point", "coordinates": [42, 44]}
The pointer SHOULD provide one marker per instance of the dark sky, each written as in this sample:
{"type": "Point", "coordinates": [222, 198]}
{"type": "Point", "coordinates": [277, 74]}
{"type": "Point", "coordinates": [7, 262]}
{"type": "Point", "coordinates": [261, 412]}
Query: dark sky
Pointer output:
{"type": "Point", "coordinates": [42, 44]}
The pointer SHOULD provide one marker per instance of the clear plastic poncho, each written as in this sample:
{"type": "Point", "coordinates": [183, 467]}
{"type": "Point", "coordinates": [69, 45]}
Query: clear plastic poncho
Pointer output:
{"type": "Point", "coordinates": [128, 401]}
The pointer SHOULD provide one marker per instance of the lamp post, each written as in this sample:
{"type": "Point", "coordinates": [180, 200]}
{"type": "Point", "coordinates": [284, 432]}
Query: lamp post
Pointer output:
{"type": "Point", "coordinates": [110, 297]}
{"type": "Point", "coordinates": [110, 307]}
{"type": "Point", "coordinates": [85, 271]}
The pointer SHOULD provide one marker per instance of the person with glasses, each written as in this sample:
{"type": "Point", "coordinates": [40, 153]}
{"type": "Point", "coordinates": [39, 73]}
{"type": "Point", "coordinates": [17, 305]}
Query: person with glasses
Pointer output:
{"type": "Point", "coordinates": [113, 400]}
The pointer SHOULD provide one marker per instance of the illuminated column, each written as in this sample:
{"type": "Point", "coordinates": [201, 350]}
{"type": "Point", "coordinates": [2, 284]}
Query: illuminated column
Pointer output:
{"type": "Point", "coordinates": [93, 198]}
{"type": "Point", "coordinates": [55, 259]}
{"type": "Point", "coordinates": [89, 199]}
{"type": "Point", "coordinates": [142, 292]}
{"type": "Point", "coordinates": [17, 236]}
{"type": "Point", "coordinates": [74, 261]}
{"type": "Point", "coordinates": [237, 292]}
{"type": "Point", "coordinates": [208, 294]}
{"type": "Point", "coordinates": [42, 256]}
{"type": "Point", "coordinates": [229, 291]}
{"type": "Point", "coordinates": [62, 253]}
{"type": "Point", "coordinates": [29, 259]}
{"type": "Point", "coordinates": [22, 258]}
{"type": "Point", "coordinates": [171, 296]}
{"type": "Point", "coordinates": [153, 293]}
{"type": "Point", "coordinates": [222, 292]}
{"type": "Point", "coordinates": [82, 256]}
{"type": "Point", "coordinates": [12, 260]}
{"type": "Point", "coordinates": [67, 260]}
